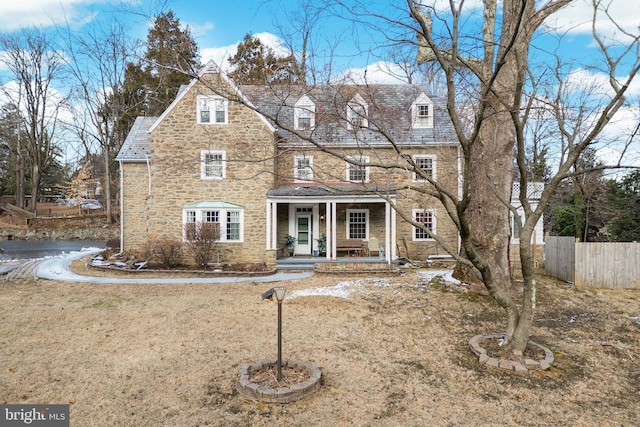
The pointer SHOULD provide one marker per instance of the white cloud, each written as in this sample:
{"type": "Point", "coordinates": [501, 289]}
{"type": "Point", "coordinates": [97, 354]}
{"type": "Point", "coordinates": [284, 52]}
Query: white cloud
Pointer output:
{"type": "Point", "coordinates": [38, 13]}
{"type": "Point", "coordinates": [380, 72]}
{"type": "Point", "coordinates": [577, 16]}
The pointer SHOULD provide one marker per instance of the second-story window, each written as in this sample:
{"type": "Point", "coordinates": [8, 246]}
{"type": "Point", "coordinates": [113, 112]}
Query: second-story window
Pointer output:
{"type": "Point", "coordinates": [212, 164]}
{"type": "Point", "coordinates": [212, 110]}
{"type": "Point", "coordinates": [357, 171]}
{"type": "Point", "coordinates": [303, 168]}
{"type": "Point", "coordinates": [426, 165]}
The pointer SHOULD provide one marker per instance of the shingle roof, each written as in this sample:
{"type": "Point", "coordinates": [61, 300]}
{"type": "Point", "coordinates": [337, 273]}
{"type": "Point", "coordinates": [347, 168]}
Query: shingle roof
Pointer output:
{"type": "Point", "coordinates": [389, 109]}
{"type": "Point", "coordinates": [137, 146]}
{"type": "Point", "coordinates": [313, 189]}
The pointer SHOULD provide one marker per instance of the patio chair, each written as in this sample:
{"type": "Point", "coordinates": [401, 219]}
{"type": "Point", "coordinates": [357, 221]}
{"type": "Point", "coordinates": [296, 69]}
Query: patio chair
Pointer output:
{"type": "Point", "coordinates": [373, 246]}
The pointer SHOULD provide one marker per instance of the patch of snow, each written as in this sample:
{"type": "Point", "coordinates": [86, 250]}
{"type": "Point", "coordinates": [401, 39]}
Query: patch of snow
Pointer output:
{"type": "Point", "coordinates": [446, 275]}
{"type": "Point", "coordinates": [340, 290]}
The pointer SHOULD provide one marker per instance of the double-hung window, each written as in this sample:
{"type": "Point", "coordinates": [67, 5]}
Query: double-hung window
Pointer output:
{"type": "Point", "coordinates": [212, 164]}
{"type": "Point", "coordinates": [422, 112]}
{"type": "Point", "coordinates": [427, 218]}
{"type": "Point", "coordinates": [304, 114]}
{"type": "Point", "coordinates": [426, 165]}
{"type": "Point", "coordinates": [303, 168]}
{"type": "Point", "coordinates": [212, 110]}
{"type": "Point", "coordinates": [358, 224]}
{"type": "Point", "coordinates": [357, 110]}
{"type": "Point", "coordinates": [357, 171]}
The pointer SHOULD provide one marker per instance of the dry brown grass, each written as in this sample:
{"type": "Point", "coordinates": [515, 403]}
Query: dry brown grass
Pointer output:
{"type": "Point", "coordinates": [394, 354]}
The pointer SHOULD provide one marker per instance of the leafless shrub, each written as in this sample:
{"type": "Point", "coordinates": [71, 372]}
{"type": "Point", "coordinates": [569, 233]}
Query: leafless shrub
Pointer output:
{"type": "Point", "coordinates": [167, 252]}
{"type": "Point", "coordinates": [202, 240]}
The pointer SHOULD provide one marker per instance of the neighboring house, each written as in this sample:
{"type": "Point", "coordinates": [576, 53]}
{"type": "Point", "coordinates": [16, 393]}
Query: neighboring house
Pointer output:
{"type": "Point", "coordinates": [534, 192]}
{"type": "Point", "coordinates": [211, 158]}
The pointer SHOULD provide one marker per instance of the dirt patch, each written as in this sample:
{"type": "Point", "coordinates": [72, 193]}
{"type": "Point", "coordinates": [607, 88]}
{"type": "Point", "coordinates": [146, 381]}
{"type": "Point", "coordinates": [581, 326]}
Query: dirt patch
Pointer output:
{"type": "Point", "coordinates": [392, 351]}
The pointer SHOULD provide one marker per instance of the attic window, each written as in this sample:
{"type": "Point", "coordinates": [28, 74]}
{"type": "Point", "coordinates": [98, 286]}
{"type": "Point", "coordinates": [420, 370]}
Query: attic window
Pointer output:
{"type": "Point", "coordinates": [357, 111]}
{"type": "Point", "coordinates": [212, 110]}
{"type": "Point", "coordinates": [422, 112]}
{"type": "Point", "coordinates": [304, 114]}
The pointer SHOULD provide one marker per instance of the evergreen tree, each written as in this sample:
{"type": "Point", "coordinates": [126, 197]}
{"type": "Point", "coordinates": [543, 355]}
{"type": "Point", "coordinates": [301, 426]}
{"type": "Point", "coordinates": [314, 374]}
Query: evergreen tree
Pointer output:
{"type": "Point", "coordinates": [256, 64]}
{"type": "Point", "coordinates": [624, 198]}
{"type": "Point", "coordinates": [171, 60]}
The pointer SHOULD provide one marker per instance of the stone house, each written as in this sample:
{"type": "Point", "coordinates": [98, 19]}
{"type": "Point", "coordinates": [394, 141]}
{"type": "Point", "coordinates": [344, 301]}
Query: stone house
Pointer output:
{"type": "Point", "coordinates": [263, 162]}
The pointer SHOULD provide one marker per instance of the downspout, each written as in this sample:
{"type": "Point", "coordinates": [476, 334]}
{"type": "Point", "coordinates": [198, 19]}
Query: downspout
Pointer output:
{"type": "Point", "coordinates": [121, 207]}
{"type": "Point", "coordinates": [147, 158]}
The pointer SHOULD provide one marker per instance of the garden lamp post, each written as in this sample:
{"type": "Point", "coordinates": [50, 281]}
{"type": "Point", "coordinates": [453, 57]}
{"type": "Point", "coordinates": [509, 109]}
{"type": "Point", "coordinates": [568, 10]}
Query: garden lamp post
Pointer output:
{"type": "Point", "coordinates": [280, 296]}
{"type": "Point", "coordinates": [279, 293]}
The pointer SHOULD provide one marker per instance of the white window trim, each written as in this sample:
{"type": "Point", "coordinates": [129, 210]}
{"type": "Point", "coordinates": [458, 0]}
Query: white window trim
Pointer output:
{"type": "Point", "coordinates": [304, 104]}
{"type": "Point", "coordinates": [203, 168]}
{"type": "Point", "coordinates": [222, 217]}
{"type": "Point", "coordinates": [419, 123]}
{"type": "Point", "coordinates": [296, 170]}
{"type": "Point", "coordinates": [433, 224]}
{"type": "Point", "coordinates": [212, 113]}
{"type": "Point", "coordinates": [357, 102]}
{"type": "Point", "coordinates": [347, 222]}
{"type": "Point", "coordinates": [418, 178]}
{"type": "Point", "coordinates": [359, 159]}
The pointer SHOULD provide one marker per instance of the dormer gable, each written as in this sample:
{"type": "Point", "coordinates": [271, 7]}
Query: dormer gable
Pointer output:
{"type": "Point", "coordinates": [304, 115]}
{"type": "Point", "coordinates": [422, 112]}
{"type": "Point", "coordinates": [357, 113]}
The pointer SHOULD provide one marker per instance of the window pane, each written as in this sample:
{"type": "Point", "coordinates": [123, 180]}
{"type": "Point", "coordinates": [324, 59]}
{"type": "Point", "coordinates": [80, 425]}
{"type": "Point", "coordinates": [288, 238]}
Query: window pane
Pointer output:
{"type": "Point", "coordinates": [303, 169]}
{"type": "Point", "coordinates": [220, 111]}
{"type": "Point", "coordinates": [205, 116]}
{"type": "Point", "coordinates": [213, 165]}
{"type": "Point", "coordinates": [357, 225]}
{"type": "Point", "coordinates": [233, 225]}
{"type": "Point", "coordinates": [426, 165]}
{"type": "Point", "coordinates": [426, 218]}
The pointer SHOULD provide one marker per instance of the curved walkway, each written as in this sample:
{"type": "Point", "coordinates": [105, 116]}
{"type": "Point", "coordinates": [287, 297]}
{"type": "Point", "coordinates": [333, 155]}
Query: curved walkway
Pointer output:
{"type": "Point", "coordinates": [58, 269]}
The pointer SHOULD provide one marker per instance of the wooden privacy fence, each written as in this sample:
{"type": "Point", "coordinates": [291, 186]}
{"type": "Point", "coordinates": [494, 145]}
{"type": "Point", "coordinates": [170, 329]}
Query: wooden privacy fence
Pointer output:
{"type": "Point", "coordinates": [559, 257]}
{"type": "Point", "coordinates": [603, 265]}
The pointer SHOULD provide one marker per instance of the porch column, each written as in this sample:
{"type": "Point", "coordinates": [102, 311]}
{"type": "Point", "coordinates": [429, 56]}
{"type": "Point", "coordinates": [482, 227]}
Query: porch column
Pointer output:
{"type": "Point", "coordinates": [393, 255]}
{"type": "Point", "coordinates": [274, 225]}
{"type": "Point", "coordinates": [327, 224]}
{"type": "Point", "coordinates": [268, 225]}
{"type": "Point", "coordinates": [334, 216]}
{"type": "Point", "coordinates": [387, 232]}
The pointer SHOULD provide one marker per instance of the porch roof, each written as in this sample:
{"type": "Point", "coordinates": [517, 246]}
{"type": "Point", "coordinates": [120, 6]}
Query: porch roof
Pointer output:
{"type": "Point", "coordinates": [334, 190]}
{"type": "Point", "coordinates": [212, 204]}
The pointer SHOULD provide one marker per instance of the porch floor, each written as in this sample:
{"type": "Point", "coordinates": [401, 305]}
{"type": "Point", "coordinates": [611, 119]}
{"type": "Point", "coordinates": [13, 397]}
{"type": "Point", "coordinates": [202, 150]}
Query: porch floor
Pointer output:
{"type": "Point", "coordinates": [309, 262]}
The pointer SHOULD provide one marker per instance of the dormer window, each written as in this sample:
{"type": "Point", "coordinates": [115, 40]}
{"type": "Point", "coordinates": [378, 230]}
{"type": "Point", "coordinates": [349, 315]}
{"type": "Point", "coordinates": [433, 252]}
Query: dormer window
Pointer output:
{"type": "Point", "coordinates": [304, 114]}
{"type": "Point", "coordinates": [357, 110]}
{"type": "Point", "coordinates": [212, 110]}
{"type": "Point", "coordinates": [422, 112]}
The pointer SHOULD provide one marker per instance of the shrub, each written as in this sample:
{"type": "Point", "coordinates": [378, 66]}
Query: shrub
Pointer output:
{"type": "Point", "coordinates": [167, 252]}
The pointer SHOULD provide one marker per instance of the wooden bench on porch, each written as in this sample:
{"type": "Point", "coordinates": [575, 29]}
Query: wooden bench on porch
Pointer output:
{"type": "Point", "coordinates": [349, 245]}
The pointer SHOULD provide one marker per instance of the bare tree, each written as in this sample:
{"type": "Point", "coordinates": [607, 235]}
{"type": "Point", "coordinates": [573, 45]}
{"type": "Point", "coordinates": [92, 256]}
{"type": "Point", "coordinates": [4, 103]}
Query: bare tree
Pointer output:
{"type": "Point", "coordinates": [98, 59]}
{"type": "Point", "coordinates": [35, 64]}
{"type": "Point", "coordinates": [502, 71]}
